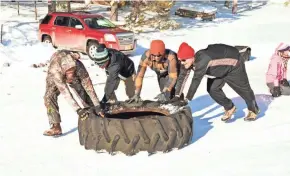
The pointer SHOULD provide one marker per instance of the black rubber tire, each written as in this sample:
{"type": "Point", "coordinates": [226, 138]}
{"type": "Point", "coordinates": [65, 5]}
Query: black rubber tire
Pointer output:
{"type": "Point", "coordinates": [152, 134]}
{"type": "Point", "coordinates": [47, 38]}
{"type": "Point", "coordinates": [90, 44]}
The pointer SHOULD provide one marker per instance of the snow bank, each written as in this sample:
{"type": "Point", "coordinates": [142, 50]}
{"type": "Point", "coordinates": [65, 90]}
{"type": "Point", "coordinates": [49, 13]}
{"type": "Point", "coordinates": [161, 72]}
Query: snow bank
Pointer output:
{"type": "Point", "coordinates": [26, 55]}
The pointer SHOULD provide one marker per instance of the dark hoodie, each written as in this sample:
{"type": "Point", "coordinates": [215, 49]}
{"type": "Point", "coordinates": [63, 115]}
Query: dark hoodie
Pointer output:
{"type": "Point", "coordinates": [216, 61]}
{"type": "Point", "coordinates": [120, 67]}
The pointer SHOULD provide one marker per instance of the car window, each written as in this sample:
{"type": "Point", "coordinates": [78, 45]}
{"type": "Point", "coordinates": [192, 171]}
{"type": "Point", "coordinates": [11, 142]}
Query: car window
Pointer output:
{"type": "Point", "coordinates": [61, 21]}
{"type": "Point", "coordinates": [99, 23]}
{"type": "Point", "coordinates": [74, 22]}
{"type": "Point", "coordinates": [46, 19]}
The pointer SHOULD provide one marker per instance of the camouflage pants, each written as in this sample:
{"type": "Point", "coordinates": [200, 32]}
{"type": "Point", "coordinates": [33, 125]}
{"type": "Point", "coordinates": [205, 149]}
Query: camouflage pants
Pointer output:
{"type": "Point", "coordinates": [51, 97]}
{"type": "Point", "coordinates": [129, 88]}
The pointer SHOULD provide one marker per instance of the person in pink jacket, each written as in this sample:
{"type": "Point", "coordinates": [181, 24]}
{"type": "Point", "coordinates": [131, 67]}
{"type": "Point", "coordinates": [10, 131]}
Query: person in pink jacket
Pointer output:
{"type": "Point", "coordinates": [276, 76]}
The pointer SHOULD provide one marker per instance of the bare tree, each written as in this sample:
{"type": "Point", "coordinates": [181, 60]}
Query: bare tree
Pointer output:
{"type": "Point", "coordinates": [114, 10]}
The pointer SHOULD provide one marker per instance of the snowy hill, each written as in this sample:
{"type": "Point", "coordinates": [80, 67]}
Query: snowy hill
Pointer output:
{"type": "Point", "coordinates": [233, 149]}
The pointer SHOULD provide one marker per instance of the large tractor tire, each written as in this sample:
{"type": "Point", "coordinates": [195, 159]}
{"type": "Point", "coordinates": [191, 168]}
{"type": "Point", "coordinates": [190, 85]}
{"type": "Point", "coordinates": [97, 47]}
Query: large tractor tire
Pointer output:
{"type": "Point", "coordinates": [150, 127]}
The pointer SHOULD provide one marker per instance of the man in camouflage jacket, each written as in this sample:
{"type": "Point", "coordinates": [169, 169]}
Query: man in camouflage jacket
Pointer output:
{"type": "Point", "coordinates": [66, 70]}
{"type": "Point", "coordinates": [166, 66]}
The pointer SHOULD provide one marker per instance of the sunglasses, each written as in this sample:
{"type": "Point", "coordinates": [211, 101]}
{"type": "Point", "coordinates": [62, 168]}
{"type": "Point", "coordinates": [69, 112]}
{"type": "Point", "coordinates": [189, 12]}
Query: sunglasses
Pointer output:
{"type": "Point", "coordinates": [159, 55]}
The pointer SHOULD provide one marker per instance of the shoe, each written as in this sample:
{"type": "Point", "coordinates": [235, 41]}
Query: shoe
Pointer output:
{"type": "Point", "coordinates": [228, 114]}
{"type": "Point", "coordinates": [55, 130]}
{"type": "Point", "coordinates": [251, 116]}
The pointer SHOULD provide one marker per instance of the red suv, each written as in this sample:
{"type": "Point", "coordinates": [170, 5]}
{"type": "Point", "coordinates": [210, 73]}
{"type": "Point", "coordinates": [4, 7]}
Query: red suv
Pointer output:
{"type": "Point", "coordinates": [83, 32]}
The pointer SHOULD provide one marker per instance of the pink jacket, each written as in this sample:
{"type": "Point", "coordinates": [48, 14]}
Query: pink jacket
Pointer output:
{"type": "Point", "coordinates": [276, 72]}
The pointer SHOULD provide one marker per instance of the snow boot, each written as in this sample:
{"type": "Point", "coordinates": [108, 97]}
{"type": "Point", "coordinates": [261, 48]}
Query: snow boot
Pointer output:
{"type": "Point", "coordinates": [228, 114]}
{"type": "Point", "coordinates": [235, 9]}
{"type": "Point", "coordinates": [55, 130]}
{"type": "Point", "coordinates": [251, 116]}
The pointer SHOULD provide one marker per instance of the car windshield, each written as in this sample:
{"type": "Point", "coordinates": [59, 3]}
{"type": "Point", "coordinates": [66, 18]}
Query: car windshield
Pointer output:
{"type": "Point", "coordinates": [99, 23]}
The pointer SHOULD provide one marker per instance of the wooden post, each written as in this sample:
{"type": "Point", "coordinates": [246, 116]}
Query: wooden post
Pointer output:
{"type": "Point", "coordinates": [68, 6]}
{"type": "Point", "coordinates": [35, 10]}
{"type": "Point", "coordinates": [1, 32]}
{"type": "Point", "coordinates": [18, 7]}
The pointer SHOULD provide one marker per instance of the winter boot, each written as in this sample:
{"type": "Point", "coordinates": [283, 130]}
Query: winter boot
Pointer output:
{"type": "Point", "coordinates": [55, 130]}
{"type": "Point", "coordinates": [228, 114]}
{"type": "Point", "coordinates": [235, 9]}
{"type": "Point", "coordinates": [252, 116]}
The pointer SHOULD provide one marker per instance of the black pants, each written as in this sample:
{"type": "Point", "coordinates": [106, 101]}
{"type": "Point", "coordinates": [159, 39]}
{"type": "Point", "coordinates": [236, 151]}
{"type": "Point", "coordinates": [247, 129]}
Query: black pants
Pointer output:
{"type": "Point", "coordinates": [238, 80]}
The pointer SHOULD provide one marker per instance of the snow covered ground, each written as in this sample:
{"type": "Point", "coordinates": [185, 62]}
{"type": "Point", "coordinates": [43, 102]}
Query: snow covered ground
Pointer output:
{"type": "Point", "coordinates": [236, 149]}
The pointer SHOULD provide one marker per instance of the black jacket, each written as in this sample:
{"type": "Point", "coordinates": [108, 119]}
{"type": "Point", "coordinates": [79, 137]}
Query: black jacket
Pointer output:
{"type": "Point", "coordinates": [217, 60]}
{"type": "Point", "coordinates": [120, 67]}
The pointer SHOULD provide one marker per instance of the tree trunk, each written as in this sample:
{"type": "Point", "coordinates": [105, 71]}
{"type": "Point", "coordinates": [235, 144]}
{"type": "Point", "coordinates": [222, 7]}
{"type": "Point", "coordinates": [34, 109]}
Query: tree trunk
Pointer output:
{"type": "Point", "coordinates": [114, 11]}
{"type": "Point", "coordinates": [35, 10]}
{"type": "Point", "coordinates": [18, 7]}
{"type": "Point", "coordinates": [52, 6]}
{"type": "Point", "coordinates": [135, 11]}
{"type": "Point", "coordinates": [1, 33]}
{"type": "Point", "coordinates": [68, 6]}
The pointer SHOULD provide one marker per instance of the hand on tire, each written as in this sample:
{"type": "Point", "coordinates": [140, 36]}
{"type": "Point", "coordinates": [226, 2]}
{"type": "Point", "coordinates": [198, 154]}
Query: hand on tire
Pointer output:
{"type": "Point", "coordinates": [276, 92]}
{"type": "Point", "coordinates": [135, 99]}
{"type": "Point", "coordinates": [284, 83]}
{"type": "Point", "coordinates": [98, 111]}
{"type": "Point", "coordinates": [83, 113]}
{"type": "Point", "coordinates": [163, 97]}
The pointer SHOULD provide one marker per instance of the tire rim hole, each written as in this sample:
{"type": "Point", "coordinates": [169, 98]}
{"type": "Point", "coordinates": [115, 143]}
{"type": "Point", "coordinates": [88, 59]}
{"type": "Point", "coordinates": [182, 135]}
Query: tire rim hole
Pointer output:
{"type": "Point", "coordinates": [135, 114]}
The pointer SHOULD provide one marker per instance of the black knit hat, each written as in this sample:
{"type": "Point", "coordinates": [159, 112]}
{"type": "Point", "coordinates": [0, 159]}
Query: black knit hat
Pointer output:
{"type": "Point", "coordinates": [101, 55]}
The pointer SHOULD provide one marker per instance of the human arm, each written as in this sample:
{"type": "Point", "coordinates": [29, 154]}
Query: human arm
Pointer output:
{"type": "Point", "coordinates": [201, 65]}
{"type": "Point", "coordinates": [181, 80]}
{"type": "Point", "coordinates": [86, 82]}
{"type": "Point", "coordinates": [112, 81]}
{"type": "Point", "coordinates": [172, 73]}
{"type": "Point", "coordinates": [64, 90]}
{"type": "Point", "coordinates": [142, 67]}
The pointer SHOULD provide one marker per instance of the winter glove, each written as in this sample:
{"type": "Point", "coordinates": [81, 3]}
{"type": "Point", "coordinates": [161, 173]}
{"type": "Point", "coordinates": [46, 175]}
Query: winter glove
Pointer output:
{"type": "Point", "coordinates": [284, 83]}
{"type": "Point", "coordinates": [176, 98]}
{"type": "Point", "coordinates": [163, 97]}
{"type": "Point", "coordinates": [83, 113]}
{"type": "Point", "coordinates": [276, 92]}
{"type": "Point", "coordinates": [98, 111]}
{"type": "Point", "coordinates": [179, 101]}
{"type": "Point", "coordinates": [135, 99]}
{"type": "Point", "coordinates": [103, 102]}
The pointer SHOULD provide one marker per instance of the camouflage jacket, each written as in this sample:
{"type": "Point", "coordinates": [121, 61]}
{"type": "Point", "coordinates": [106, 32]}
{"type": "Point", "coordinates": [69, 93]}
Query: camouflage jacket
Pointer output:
{"type": "Point", "coordinates": [60, 62]}
{"type": "Point", "coordinates": [167, 66]}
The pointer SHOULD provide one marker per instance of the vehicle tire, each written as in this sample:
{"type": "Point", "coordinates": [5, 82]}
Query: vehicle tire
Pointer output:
{"type": "Point", "coordinates": [47, 39]}
{"type": "Point", "coordinates": [150, 127]}
{"type": "Point", "coordinates": [91, 46]}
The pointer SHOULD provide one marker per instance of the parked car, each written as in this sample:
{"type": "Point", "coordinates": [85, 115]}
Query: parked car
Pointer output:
{"type": "Point", "coordinates": [83, 32]}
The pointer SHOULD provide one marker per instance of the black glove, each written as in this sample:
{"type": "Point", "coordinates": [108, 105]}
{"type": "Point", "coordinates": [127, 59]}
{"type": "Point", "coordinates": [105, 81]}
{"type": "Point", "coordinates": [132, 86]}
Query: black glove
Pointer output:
{"type": "Point", "coordinates": [163, 97]}
{"type": "Point", "coordinates": [103, 102]}
{"type": "Point", "coordinates": [284, 82]}
{"type": "Point", "coordinates": [276, 92]}
{"type": "Point", "coordinates": [83, 113]}
{"type": "Point", "coordinates": [135, 99]}
{"type": "Point", "coordinates": [176, 98]}
{"type": "Point", "coordinates": [178, 101]}
{"type": "Point", "coordinates": [98, 111]}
